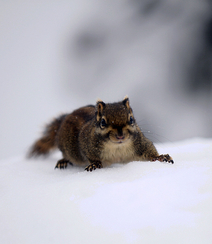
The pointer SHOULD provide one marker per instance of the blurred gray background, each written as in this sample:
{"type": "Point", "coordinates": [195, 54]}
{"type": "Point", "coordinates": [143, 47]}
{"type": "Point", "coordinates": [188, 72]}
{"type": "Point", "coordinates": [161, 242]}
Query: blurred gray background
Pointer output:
{"type": "Point", "coordinates": [58, 55]}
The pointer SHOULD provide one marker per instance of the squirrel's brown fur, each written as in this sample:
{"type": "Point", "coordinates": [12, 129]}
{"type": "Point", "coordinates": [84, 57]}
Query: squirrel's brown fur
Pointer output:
{"type": "Point", "coordinates": [98, 136]}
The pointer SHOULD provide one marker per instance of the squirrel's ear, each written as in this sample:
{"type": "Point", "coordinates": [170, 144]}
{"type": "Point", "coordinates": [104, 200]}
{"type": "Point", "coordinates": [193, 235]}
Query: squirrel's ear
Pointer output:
{"type": "Point", "coordinates": [99, 108]}
{"type": "Point", "coordinates": [126, 102]}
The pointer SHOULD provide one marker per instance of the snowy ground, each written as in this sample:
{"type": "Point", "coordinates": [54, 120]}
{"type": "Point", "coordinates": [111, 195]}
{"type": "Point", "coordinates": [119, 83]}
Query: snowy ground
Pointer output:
{"type": "Point", "coordinates": [141, 202]}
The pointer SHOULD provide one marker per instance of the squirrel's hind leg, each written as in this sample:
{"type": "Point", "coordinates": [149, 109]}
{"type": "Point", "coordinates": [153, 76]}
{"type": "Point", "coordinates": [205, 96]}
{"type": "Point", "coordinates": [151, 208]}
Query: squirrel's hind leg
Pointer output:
{"type": "Point", "coordinates": [62, 164]}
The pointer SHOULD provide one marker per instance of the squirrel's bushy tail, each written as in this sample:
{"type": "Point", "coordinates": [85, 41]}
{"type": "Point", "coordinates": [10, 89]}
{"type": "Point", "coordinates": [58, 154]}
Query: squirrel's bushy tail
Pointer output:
{"type": "Point", "coordinates": [48, 141]}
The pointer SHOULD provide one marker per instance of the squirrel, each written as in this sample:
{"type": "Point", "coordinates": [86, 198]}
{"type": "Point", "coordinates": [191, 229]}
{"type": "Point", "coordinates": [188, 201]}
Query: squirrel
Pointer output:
{"type": "Point", "coordinates": [97, 136]}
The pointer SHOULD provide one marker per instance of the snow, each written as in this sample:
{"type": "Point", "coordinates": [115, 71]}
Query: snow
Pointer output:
{"type": "Point", "coordinates": [48, 67]}
{"type": "Point", "coordinates": [139, 202]}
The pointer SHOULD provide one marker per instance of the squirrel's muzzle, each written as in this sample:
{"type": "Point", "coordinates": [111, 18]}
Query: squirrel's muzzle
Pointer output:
{"type": "Point", "coordinates": [120, 137]}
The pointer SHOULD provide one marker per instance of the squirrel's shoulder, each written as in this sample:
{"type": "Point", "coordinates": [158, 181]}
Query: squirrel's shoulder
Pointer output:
{"type": "Point", "coordinates": [84, 113]}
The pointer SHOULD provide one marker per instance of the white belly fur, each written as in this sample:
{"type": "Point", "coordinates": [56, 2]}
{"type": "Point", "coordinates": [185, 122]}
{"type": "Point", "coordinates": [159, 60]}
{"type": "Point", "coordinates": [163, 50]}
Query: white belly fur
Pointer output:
{"type": "Point", "coordinates": [117, 153]}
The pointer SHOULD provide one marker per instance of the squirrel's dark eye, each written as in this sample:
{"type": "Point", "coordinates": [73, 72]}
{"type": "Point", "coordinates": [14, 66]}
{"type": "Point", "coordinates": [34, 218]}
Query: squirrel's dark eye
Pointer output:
{"type": "Point", "coordinates": [131, 120]}
{"type": "Point", "coordinates": [103, 123]}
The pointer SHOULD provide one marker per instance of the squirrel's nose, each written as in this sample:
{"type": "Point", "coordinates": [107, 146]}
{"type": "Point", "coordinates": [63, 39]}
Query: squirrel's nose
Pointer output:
{"type": "Point", "coordinates": [120, 137]}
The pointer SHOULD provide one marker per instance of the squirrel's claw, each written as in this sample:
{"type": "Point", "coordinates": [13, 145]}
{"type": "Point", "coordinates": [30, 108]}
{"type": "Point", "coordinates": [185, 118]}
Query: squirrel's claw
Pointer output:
{"type": "Point", "coordinates": [94, 166]}
{"type": "Point", "coordinates": [62, 164]}
{"type": "Point", "coordinates": [164, 158]}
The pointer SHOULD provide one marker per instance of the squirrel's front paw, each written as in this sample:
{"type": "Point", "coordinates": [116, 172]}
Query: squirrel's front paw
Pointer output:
{"type": "Point", "coordinates": [164, 158]}
{"type": "Point", "coordinates": [94, 166]}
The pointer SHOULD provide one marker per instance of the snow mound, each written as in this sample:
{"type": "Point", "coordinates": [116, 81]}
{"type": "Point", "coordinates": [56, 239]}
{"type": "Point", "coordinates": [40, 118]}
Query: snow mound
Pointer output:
{"type": "Point", "coordinates": [140, 202]}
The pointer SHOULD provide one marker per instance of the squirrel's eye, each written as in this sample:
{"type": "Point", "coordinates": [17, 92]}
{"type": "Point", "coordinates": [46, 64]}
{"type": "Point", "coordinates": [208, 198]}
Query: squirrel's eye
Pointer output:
{"type": "Point", "coordinates": [103, 123]}
{"type": "Point", "coordinates": [131, 120]}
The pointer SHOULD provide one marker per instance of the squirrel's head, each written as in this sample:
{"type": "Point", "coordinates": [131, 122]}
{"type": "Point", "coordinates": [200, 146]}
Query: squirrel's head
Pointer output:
{"type": "Point", "coordinates": [115, 121]}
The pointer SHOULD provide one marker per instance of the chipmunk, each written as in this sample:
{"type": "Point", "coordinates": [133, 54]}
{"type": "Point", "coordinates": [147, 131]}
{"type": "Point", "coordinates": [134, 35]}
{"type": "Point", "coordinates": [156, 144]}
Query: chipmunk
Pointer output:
{"type": "Point", "coordinates": [98, 136]}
